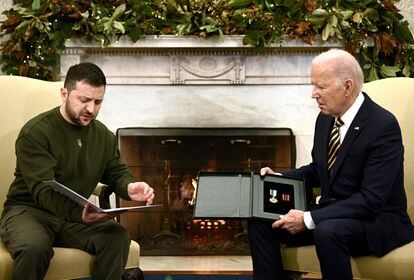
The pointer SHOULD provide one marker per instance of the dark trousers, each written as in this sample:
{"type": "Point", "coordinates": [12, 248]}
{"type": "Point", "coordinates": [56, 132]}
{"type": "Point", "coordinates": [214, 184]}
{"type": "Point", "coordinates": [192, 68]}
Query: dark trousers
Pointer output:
{"type": "Point", "coordinates": [335, 240]}
{"type": "Point", "coordinates": [29, 234]}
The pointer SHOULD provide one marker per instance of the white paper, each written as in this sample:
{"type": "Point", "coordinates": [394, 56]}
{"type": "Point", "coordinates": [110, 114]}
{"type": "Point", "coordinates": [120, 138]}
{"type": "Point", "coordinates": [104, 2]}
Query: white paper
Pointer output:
{"type": "Point", "coordinates": [83, 201]}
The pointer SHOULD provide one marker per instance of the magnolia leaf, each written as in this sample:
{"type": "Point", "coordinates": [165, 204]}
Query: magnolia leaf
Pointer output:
{"type": "Point", "coordinates": [180, 29]}
{"type": "Point", "coordinates": [326, 32]}
{"type": "Point", "coordinates": [252, 38]}
{"type": "Point", "coordinates": [23, 24]}
{"type": "Point", "coordinates": [320, 13]}
{"type": "Point", "coordinates": [106, 25]}
{"type": "Point", "coordinates": [333, 21]}
{"type": "Point", "coordinates": [389, 71]}
{"type": "Point", "coordinates": [371, 13]}
{"type": "Point", "coordinates": [119, 26]}
{"type": "Point", "coordinates": [367, 66]}
{"type": "Point", "coordinates": [237, 4]}
{"type": "Point", "coordinates": [119, 11]}
{"type": "Point", "coordinates": [211, 28]}
{"type": "Point", "coordinates": [189, 26]}
{"type": "Point", "coordinates": [345, 24]}
{"type": "Point", "coordinates": [32, 63]}
{"type": "Point", "coordinates": [346, 14]}
{"type": "Point", "coordinates": [184, 28]}
{"type": "Point", "coordinates": [402, 32]}
{"type": "Point", "coordinates": [134, 34]}
{"type": "Point", "coordinates": [221, 34]}
{"type": "Point", "coordinates": [372, 76]}
{"type": "Point", "coordinates": [338, 33]}
{"type": "Point", "coordinates": [36, 4]}
{"type": "Point", "coordinates": [406, 70]}
{"type": "Point", "coordinates": [371, 27]}
{"type": "Point", "coordinates": [269, 5]}
{"type": "Point", "coordinates": [317, 20]}
{"type": "Point", "coordinates": [207, 20]}
{"type": "Point", "coordinates": [85, 14]}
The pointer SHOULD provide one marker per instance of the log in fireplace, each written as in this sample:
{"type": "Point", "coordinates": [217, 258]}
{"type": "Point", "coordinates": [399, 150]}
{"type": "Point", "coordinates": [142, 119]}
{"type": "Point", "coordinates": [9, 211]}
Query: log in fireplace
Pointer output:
{"type": "Point", "coordinates": [169, 159]}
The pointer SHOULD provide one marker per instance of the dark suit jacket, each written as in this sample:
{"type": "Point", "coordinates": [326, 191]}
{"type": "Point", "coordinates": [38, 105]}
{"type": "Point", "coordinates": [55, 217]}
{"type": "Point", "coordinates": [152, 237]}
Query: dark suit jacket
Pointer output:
{"type": "Point", "coordinates": [367, 181]}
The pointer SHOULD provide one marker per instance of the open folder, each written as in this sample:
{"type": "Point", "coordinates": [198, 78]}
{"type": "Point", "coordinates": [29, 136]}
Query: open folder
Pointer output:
{"type": "Point", "coordinates": [83, 201]}
{"type": "Point", "coordinates": [247, 195]}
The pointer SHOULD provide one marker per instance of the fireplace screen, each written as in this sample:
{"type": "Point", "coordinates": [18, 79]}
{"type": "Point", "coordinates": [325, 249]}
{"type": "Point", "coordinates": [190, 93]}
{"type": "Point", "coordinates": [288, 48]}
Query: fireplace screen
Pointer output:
{"type": "Point", "coordinates": [169, 159]}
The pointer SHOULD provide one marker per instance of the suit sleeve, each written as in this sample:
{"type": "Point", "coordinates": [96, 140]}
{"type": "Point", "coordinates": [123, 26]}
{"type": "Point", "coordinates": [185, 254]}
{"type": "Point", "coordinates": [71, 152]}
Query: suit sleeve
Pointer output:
{"type": "Point", "coordinates": [382, 164]}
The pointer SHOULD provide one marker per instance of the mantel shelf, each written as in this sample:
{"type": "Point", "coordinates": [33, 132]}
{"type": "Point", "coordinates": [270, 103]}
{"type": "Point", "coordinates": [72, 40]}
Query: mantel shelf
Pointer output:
{"type": "Point", "coordinates": [191, 60]}
{"type": "Point", "coordinates": [194, 42]}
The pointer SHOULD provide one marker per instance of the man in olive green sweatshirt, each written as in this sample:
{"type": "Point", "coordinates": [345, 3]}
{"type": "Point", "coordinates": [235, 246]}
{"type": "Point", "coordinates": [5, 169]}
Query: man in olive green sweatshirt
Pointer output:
{"type": "Point", "coordinates": [68, 145]}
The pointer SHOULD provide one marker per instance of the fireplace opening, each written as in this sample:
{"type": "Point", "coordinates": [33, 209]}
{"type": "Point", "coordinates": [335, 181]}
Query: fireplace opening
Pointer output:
{"type": "Point", "coordinates": [169, 159]}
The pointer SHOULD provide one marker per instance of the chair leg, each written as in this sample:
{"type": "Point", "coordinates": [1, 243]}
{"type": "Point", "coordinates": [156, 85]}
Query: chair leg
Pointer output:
{"type": "Point", "coordinates": [133, 274]}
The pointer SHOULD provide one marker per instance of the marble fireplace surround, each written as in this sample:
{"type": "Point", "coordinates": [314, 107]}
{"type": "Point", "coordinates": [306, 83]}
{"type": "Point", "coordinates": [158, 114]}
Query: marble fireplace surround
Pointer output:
{"type": "Point", "coordinates": [169, 81]}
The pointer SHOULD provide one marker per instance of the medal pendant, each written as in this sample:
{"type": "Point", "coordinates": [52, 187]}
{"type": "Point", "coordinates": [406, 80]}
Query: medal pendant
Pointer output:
{"type": "Point", "coordinates": [273, 194]}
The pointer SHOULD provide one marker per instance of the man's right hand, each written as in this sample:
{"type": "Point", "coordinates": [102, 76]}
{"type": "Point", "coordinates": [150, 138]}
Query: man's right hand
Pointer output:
{"type": "Point", "coordinates": [266, 170]}
{"type": "Point", "coordinates": [90, 216]}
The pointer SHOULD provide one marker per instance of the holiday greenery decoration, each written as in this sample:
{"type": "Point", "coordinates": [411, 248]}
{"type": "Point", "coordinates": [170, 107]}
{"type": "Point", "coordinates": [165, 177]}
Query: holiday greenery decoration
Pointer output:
{"type": "Point", "coordinates": [37, 29]}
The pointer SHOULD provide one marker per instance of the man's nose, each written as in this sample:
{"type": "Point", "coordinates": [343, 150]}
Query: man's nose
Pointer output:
{"type": "Point", "coordinates": [90, 107]}
{"type": "Point", "coordinates": [315, 92]}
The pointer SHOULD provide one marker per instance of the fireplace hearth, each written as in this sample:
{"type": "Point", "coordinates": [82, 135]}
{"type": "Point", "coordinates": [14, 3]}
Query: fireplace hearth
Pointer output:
{"type": "Point", "coordinates": [169, 159]}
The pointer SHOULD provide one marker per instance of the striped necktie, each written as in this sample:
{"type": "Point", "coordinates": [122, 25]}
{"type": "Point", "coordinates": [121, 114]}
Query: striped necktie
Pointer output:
{"type": "Point", "coordinates": [334, 143]}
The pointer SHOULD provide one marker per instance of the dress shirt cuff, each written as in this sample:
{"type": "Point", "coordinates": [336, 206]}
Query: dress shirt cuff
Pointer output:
{"type": "Point", "coordinates": [307, 219]}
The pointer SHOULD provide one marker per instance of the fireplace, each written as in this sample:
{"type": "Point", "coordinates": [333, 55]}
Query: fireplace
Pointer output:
{"type": "Point", "coordinates": [169, 159]}
{"type": "Point", "coordinates": [163, 82]}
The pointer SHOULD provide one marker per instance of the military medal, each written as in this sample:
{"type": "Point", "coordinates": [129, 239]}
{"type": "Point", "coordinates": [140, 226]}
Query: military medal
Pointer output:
{"type": "Point", "coordinates": [273, 194]}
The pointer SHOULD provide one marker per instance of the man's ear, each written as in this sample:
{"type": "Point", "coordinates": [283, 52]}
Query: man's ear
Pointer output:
{"type": "Point", "coordinates": [64, 94]}
{"type": "Point", "coordinates": [349, 87]}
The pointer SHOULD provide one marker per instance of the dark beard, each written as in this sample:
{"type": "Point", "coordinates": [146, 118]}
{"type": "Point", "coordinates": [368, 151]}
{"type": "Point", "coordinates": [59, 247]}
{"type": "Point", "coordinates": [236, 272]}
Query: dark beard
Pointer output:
{"type": "Point", "coordinates": [71, 115]}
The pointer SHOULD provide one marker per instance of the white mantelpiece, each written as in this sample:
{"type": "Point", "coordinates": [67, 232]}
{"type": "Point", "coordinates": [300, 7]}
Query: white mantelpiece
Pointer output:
{"type": "Point", "coordinates": [193, 60]}
{"type": "Point", "coordinates": [173, 81]}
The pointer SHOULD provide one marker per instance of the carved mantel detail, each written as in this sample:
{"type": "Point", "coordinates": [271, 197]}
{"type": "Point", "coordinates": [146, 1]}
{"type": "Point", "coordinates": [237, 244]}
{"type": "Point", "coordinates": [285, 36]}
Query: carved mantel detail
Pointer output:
{"type": "Point", "coordinates": [191, 60]}
{"type": "Point", "coordinates": [196, 69]}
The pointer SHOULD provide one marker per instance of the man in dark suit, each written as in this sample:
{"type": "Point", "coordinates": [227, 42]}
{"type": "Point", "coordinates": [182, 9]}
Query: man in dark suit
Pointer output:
{"type": "Point", "coordinates": [357, 159]}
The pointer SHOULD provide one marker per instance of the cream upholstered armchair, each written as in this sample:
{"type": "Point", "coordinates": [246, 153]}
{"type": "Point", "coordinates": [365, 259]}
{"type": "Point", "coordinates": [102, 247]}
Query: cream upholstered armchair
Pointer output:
{"type": "Point", "coordinates": [396, 95]}
{"type": "Point", "coordinates": [21, 99]}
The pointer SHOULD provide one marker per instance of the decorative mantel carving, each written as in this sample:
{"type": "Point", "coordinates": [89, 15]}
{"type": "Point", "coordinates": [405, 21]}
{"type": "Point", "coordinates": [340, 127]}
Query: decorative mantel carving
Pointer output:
{"type": "Point", "coordinates": [192, 60]}
{"type": "Point", "coordinates": [207, 69]}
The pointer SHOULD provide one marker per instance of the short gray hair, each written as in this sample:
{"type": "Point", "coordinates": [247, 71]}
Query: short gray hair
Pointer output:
{"type": "Point", "coordinates": [345, 64]}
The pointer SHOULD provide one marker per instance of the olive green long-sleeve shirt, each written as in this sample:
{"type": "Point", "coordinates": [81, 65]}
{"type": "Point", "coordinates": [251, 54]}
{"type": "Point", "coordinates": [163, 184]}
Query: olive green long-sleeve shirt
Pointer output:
{"type": "Point", "coordinates": [48, 147]}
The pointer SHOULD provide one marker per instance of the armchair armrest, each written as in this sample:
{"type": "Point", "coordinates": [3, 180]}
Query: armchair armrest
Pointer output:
{"type": "Point", "coordinates": [103, 192]}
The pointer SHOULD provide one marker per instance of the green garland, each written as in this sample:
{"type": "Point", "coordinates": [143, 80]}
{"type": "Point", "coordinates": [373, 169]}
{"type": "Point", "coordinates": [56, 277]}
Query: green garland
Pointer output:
{"type": "Point", "coordinates": [37, 29]}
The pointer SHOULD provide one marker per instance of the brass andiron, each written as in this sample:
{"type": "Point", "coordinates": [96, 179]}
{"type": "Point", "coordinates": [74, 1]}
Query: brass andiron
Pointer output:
{"type": "Point", "coordinates": [166, 223]}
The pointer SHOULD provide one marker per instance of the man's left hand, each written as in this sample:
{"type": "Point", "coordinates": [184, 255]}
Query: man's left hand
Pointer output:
{"type": "Point", "coordinates": [141, 191]}
{"type": "Point", "coordinates": [293, 222]}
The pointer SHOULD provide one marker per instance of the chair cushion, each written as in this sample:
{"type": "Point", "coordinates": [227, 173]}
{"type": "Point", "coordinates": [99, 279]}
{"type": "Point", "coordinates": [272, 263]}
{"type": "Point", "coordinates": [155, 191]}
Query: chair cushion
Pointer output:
{"type": "Point", "coordinates": [398, 264]}
{"type": "Point", "coordinates": [66, 263]}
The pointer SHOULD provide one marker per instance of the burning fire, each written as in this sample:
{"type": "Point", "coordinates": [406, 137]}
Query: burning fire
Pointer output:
{"type": "Point", "coordinates": [208, 224]}
{"type": "Point", "coordinates": [188, 189]}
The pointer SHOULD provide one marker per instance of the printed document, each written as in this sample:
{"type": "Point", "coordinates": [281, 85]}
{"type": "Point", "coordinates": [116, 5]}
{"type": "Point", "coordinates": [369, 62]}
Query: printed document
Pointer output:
{"type": "Point", "coordinates": [83, 201]}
